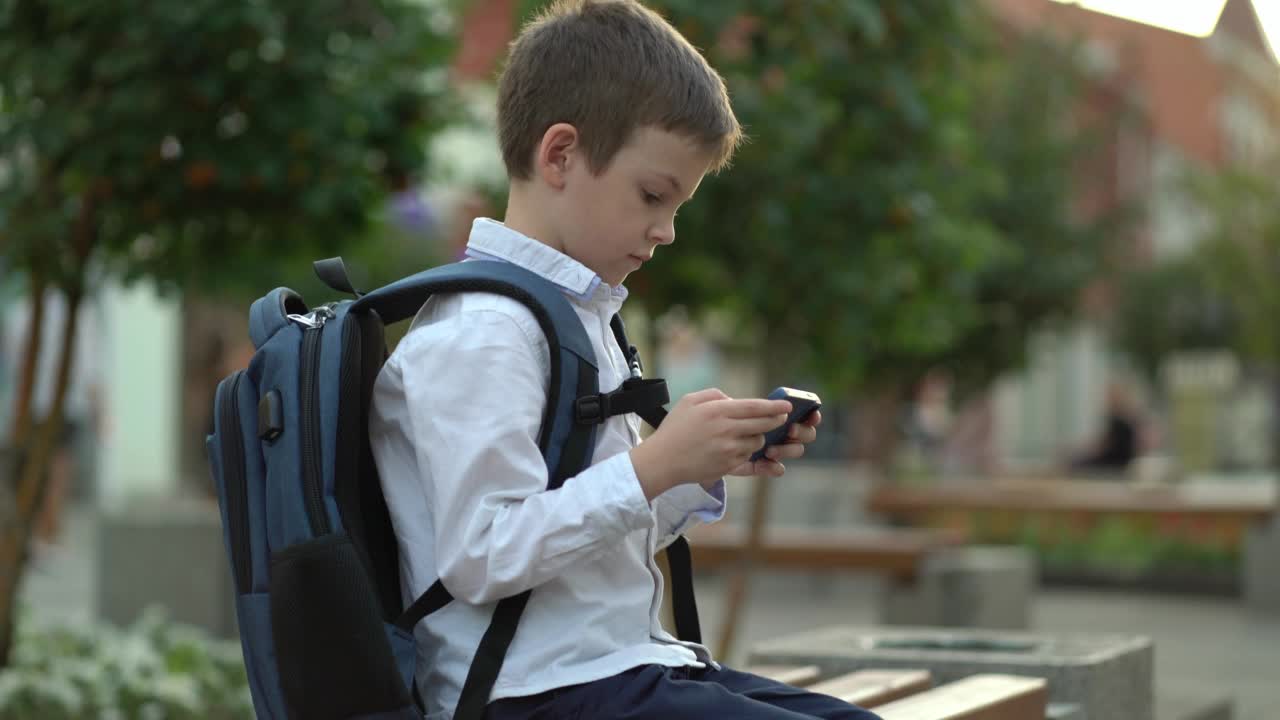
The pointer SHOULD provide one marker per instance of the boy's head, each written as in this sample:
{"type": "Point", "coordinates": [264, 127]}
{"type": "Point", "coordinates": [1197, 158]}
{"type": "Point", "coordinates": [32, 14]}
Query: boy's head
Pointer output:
{"type": "Point", "coordinates": [608, 119]}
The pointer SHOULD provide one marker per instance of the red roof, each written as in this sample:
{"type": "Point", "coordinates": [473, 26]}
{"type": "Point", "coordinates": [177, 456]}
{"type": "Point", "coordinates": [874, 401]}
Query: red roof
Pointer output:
{"type": "Point", "coordinates": [1173, 74]}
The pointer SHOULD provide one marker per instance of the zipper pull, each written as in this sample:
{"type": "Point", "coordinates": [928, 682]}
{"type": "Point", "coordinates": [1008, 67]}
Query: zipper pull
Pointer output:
{"type": "Point", "coordinates": [306, 321]}
{"type": "Point", "coordinates": [314, 319]}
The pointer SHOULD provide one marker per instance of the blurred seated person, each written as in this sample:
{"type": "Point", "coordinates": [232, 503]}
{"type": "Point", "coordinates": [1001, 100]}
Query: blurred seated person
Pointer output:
{"type": "Point", "coordinates": [1117, 445]}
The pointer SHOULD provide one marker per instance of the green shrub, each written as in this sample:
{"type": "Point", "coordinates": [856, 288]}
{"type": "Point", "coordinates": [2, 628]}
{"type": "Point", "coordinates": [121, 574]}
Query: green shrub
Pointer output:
{"type": "Point", "coordinates": [154, 670]}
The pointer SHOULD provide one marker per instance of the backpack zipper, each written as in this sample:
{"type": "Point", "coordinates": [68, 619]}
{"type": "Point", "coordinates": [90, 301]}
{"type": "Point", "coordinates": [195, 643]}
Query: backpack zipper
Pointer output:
{"type": "Point", "coordinates": [312, 479]}
{"type": "Point", "coordinates": [235, 483]}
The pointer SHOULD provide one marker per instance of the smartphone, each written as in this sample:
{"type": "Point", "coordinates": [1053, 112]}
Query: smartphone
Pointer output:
{"type": "Point", "coordinates": [803, 404]}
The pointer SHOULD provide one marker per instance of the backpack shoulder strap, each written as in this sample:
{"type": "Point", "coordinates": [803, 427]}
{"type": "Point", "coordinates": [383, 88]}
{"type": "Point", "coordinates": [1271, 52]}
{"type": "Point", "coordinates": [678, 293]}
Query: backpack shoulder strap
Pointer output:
{"type": "Point", "coordinates": [564, 442]}
{"type": "Point", "coordinates": [573, 361]}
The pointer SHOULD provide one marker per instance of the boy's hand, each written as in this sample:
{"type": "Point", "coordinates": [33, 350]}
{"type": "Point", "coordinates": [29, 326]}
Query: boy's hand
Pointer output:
{"type": "Point", "coordinates": [801, 434]}
{"type": "Point", "coordinates": [705, 436]}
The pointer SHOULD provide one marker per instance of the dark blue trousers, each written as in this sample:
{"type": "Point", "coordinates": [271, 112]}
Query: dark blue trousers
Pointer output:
{"type": "Point", "coordinates": [653, 692]}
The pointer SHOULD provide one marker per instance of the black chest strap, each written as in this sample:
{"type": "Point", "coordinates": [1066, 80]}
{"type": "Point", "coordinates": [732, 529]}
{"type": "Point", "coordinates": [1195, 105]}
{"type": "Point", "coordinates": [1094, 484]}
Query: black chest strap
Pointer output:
{"type": "Point", "coordinates": [645, 398]}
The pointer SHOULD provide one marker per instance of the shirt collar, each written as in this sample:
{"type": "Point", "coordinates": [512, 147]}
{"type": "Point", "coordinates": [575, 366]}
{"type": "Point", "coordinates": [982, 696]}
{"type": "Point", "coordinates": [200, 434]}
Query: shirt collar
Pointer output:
{"type": "Point", "coordinates": [492, 240]}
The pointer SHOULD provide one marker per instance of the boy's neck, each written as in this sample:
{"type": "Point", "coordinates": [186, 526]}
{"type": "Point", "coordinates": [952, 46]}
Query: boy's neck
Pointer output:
{"type": "Point", "coordinates": [523, 217]}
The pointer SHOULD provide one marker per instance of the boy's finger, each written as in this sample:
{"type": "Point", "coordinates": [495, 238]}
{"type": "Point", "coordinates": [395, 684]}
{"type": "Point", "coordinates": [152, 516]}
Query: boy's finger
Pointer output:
{"type": "Point", "coordinates": [754, 408]}
{"type": "Point", "coordinates": [757, 425]}
{"type": "Point", "coordinates": [789, 451]}
{"type": "Point", "coordinates": [708, 395]}
{"type": "Point", "coordinates": [814, 419]}
{"type": "Point", "coordinates": [803, 433]}
{"type": "Point", "coordinates": [772, 468]}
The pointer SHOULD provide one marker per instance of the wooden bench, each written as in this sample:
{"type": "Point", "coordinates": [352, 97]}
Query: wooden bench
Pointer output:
{"type": "Point", "coordinates": [870, 688]}
{"type": "Point", "coordinates": [1243, 506]}
{"type": "Point", "coordinates": [909, 694]}
{"type": "Point", "coordinates": [893, 552]}
{"type": "Point", "coordinates": [1224, 517]}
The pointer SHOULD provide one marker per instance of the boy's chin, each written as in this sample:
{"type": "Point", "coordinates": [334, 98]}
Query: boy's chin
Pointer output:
{"type": "Point", "coordinates": [616, 279]}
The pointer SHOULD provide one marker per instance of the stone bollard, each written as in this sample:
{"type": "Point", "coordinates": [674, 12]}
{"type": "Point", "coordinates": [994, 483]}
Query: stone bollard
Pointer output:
{"type": "Point", "coordinates": [1260, 581]}
{"type": "Point", "coordinates": [976, 586]}
{"type": "Point", "coordinates": [1110, 677]}
{"type": "Point", "coordinates": [167, 552]}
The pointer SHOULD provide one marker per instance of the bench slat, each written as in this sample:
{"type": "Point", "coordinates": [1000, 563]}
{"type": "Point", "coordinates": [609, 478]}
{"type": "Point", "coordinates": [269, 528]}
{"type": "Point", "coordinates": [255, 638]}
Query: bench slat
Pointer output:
{"type": "Point", "coordinates": [977, 697]}
{"type": "Point", "coordinates": [798, 675]}
{"type": "Point", "coordinates": [870, 688]}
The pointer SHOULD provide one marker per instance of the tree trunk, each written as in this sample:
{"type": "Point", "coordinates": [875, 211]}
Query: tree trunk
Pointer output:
{"type": "Point", "coordinates": [1275, 432]}
{"type": "Point", "coordinates": [738, 589]}
{"type": "Point", "coordinates": [38, 441]}
{"type": "Point", "coordinates": [875, 429]}
{"type": "Point", "coordinates": [35, 457]}
{"type": "Point", "coordinates": [30, 355]}
{"type": "Point", "coordinates": [739, 579]}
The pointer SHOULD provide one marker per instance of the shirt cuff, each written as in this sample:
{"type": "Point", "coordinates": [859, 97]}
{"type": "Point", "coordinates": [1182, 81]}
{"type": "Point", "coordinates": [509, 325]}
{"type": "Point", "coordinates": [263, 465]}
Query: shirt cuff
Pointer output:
{"type": "Point", "coordinates": [677, 506]}
{"type": "Point", "coordinates": [714, 509]}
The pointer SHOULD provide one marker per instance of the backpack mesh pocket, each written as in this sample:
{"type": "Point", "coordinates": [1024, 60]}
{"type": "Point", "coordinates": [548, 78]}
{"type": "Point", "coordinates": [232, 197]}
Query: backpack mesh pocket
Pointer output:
{"type": "Point", "coordinates": [338, 662]}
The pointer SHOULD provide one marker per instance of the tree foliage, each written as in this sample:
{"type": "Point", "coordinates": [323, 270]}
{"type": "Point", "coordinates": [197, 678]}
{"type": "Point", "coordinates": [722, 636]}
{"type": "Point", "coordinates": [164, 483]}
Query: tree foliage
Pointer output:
{"type": "Point", "coordinates": [1240, 252]}
{"type": "Point", "coordinates": [846, 226]}
{"type": "Point", "coordinates": [199, 144]}
{"type": "Point", "coordinates": [203, 139]}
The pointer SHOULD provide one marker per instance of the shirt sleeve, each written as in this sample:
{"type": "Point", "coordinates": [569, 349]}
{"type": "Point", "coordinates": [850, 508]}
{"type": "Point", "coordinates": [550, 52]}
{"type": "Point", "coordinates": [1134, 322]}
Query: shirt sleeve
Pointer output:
{"type": "Point", "coordinates": [476, 392]}
{"type": "Point", "coordinates": [684, 507]}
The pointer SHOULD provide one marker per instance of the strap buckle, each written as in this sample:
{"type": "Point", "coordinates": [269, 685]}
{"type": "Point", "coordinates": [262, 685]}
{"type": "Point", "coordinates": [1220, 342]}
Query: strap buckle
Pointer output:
{"type": "Point", "coordinates": [591, 409]}
{"type": "Point", "coordinates": [643, 397]}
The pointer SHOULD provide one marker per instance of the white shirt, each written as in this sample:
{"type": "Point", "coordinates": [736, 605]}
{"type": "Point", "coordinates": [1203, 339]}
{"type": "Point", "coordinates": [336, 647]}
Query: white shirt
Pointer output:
{"type": "Point", "coordinates": [454, 424]}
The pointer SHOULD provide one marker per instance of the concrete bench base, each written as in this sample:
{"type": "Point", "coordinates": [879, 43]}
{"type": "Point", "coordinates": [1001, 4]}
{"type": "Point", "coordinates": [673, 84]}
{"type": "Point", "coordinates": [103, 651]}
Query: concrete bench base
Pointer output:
{"type": "Point", "coordinates": [1260, 581]}
{"type": "Point", "coordinates": [168, 553]}
{"type": "Point", "coordinates": [974, 586]}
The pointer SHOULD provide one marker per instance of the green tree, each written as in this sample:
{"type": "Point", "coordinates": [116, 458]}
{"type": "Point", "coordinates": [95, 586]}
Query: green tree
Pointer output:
{"type": "Point", "coordinates": [192, 143]}
{"type": "Point", "coordinates": [1170, 306]}
{"type": "Point", "coordinates": [844, 229]}
{"type": "Point", "coordinates": [1046, 147]}
{"type": "Point", "coordinates": [905, 202]}
{"type": "Point", "coordinates": [1239, 251]}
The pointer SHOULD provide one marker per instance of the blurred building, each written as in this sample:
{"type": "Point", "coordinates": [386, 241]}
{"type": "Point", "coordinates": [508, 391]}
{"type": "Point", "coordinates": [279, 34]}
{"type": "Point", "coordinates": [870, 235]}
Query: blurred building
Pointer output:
{"type": "Point", "coordinates": [1201, 102]}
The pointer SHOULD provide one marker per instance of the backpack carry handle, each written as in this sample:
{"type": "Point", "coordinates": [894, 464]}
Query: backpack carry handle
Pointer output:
{"type": "Point", "coordinates": [271, 312]}
{"type": "Point", "coordinates": [333, 272]}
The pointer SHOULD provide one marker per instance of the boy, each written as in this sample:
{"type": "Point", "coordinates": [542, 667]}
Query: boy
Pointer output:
{"type": "Point", "coordinates": [608, 120]}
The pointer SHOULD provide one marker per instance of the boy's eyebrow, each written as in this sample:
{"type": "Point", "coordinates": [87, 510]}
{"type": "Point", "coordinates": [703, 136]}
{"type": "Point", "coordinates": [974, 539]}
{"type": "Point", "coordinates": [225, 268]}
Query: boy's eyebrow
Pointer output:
{"type": "Point", "coordinates": [675, 184]}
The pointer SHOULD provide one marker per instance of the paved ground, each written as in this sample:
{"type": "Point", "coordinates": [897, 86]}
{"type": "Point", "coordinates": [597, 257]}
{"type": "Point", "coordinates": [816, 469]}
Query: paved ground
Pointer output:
{"type": "Point", "coordinates": [1204, 646]}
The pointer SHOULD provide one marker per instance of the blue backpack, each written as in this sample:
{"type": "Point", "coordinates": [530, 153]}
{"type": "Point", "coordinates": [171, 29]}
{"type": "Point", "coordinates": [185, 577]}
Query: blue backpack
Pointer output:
{"type": "Point", "coordinates": [312, 551]}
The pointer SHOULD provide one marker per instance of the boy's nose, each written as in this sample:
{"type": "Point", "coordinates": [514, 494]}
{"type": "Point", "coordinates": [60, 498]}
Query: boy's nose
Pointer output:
{"type": "Point", "coordinates": [664, 234]}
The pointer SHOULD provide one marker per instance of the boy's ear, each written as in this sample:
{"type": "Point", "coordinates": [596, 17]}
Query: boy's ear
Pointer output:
{"type": "Point", "coordinates": [557, 152]}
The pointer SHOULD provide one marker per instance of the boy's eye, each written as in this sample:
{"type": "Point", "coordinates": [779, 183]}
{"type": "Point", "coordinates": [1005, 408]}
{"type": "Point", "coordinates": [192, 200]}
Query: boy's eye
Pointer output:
{"type": "Point", "coordinates": [651, 198]}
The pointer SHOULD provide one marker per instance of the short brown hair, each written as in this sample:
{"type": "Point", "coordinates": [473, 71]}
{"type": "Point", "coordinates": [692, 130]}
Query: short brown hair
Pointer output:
{"type": "Point", "coordinates": [608, 67]}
